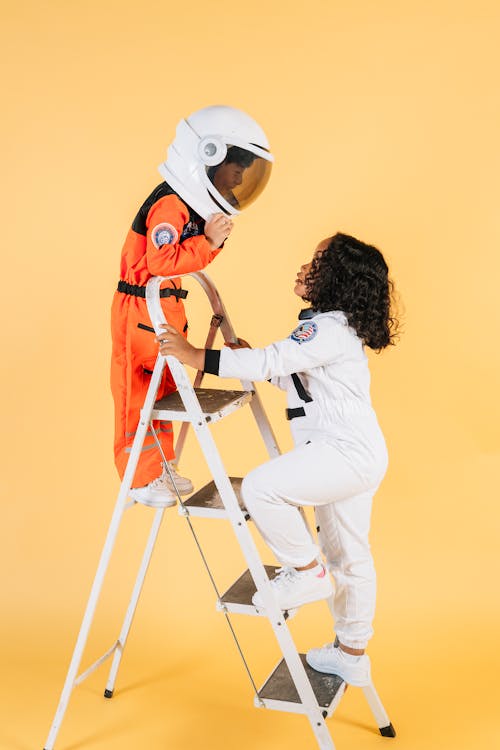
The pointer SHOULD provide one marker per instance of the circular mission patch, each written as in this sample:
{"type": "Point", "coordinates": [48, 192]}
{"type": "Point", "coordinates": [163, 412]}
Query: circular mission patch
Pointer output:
{"type": "Point", "coordinates": [305, 332]}
{"type": "Point", "coordinates": [164, 234]}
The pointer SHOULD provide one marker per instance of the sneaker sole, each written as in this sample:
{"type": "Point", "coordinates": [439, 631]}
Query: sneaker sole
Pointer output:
{"type": "Point", "coordinates": [156, 504]}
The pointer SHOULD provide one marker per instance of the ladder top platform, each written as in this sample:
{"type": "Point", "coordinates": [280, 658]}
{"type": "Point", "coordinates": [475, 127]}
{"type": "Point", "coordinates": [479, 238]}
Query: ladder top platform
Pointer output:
{"type": "Point", "coordinates": [215, 404]}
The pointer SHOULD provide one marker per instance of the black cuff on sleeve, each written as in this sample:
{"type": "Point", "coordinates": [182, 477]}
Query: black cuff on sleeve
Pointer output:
{"type": "Point", "coordinates": [212, 359]}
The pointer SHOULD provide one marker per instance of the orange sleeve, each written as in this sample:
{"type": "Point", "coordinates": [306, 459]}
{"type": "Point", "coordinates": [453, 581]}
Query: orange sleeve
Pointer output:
{"type": "Point", "coordinates": [165, 255]}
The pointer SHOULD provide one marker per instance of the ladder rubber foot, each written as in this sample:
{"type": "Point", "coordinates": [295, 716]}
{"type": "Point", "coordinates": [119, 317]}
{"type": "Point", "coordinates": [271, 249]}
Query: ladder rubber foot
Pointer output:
{"type": "Point", "coordinates": [109, 694]}
{"type": "Point", "coordinates": [388, 731]}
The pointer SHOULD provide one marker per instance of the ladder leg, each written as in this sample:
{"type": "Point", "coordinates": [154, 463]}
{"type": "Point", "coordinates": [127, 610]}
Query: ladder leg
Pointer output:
{"type": "Point", "coordinates": [122, 640]}
{"type": "Point", "coordinates": [263, 423]}
{"type": "Point", "coordinates": [105, 555]}
{"type": "Point", "coordinates": [385, 727]}
{"type": "Point", "coordinates": [87, 620]}
{"type": "Point", "coordinates": [322, 734]}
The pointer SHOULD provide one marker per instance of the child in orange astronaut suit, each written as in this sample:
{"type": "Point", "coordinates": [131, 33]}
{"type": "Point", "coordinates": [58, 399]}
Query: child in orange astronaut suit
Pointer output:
{"type": "Point", "coordinates": [179, 229]}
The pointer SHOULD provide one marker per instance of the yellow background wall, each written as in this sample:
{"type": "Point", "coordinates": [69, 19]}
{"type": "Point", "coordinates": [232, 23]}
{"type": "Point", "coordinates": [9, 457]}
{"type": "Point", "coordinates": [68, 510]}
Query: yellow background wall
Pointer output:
{"type": "Point", "coordinates": [384, 121]}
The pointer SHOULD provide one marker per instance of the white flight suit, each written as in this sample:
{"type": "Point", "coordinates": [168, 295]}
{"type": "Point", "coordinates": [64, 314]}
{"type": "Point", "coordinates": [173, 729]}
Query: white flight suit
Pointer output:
{"type": "Point", "coordinates": [338, 461]}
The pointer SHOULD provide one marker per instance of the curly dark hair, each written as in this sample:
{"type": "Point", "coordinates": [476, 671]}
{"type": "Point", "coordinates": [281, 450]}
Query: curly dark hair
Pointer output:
{"type": "Point", "coordinates": [353, 277]}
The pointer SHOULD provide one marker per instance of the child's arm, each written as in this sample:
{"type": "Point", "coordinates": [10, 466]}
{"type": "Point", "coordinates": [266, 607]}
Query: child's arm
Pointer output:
{"type": "Point", "coordinates": [303, 350]}
{"type": "Point", "coordinates": [173, 342]}
{"type": "Point", "coordinates": [166, 254]}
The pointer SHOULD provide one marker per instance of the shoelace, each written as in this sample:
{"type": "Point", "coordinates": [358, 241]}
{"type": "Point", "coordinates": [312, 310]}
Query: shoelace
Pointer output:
{"type": "Point", "coordinates": [284, 577]}
{"type": "Point", "coordinates": [165, 474]}
{"type": "Point", "coordinates": [157, 483]}
{"type": "Point", "coordinates": [330, 646]}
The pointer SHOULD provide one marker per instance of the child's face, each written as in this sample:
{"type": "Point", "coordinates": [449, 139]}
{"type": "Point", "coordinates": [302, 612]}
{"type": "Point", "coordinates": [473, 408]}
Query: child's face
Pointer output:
{"type": "Point", "coordinates": [228, 176]}
{"type": "Point", "coordinates": [300, 285]}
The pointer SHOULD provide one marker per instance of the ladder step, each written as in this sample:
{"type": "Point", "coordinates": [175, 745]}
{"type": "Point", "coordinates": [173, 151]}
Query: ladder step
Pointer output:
{"type": "Point", "coordinates": [207, 502]}
{"type": "Point", "coordinates": [279, 691]}
{"type": "Point", "coordinates": [238, 597]}
{"type": "Point", "coordinates": [215, 404]}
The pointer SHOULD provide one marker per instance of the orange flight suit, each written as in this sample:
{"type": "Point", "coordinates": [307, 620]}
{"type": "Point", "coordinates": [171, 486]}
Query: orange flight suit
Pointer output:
{"type": "Point", "coordinates": [166, 238]}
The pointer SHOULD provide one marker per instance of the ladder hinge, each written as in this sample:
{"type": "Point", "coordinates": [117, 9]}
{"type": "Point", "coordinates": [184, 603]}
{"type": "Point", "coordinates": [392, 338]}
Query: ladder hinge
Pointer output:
{"type": "Point", "coordinates": [216, 320]}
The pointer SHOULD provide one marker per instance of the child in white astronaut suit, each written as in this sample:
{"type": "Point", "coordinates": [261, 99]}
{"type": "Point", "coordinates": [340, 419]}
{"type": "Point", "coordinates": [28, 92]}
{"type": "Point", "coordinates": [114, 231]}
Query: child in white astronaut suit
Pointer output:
{"type": "Point", "coordinates": [339, 458]}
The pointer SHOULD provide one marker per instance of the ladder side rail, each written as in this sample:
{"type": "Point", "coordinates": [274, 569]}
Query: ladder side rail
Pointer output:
{"type": "Point", "coordinates": [256, 567]}
{"type": "Point", "coordinates": [229, 334]}
{"type": "Point", "coordinates": [376, 706]}
{"type": "Point", "coordinates": [219, 312]}
{"type": "Point", "coordinates": [239, 524]}
{"type": "Point", "coordinates": [262, 420]}
{"type": "Point", "coordinates": [178, 371]}
{"type": "Point", "coordinates": [145, 419]}
{"type": "Point", "coordinates": [105, 556]}
{"type": "Point", "coordinates": [132, 606]}
{"type": "Point", "coordinates": [181, 439]}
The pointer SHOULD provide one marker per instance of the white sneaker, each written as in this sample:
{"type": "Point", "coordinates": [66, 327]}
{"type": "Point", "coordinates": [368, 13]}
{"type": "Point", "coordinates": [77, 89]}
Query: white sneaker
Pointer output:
{"type": "Point", "coordinates": [156, 494]}
{"type": "Point", "coordinates": [292, 588]}
{"type": "Point", "coordinates": [330, 659]}
{"type": "Point", "coordinates": [183, 484]}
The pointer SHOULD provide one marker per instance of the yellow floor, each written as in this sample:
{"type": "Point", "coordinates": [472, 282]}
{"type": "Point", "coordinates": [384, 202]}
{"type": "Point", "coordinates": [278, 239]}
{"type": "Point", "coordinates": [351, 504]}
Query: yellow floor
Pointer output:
{"type": "Point", "coordinates": [182, 684]}
{"type": "Point", "coordinates": [192, 693]}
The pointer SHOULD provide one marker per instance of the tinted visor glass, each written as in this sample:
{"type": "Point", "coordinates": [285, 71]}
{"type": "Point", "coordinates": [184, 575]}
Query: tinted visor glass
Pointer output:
{"type": "Point", "coordinates": [241, 177]}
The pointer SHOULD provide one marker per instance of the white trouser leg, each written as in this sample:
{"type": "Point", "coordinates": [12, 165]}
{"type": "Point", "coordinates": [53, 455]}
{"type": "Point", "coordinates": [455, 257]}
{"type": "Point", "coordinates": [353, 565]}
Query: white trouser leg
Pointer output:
{"type": "Point", "coordinates": [343, 535]}
{"type": "Point", "coordinates": [318, 474]}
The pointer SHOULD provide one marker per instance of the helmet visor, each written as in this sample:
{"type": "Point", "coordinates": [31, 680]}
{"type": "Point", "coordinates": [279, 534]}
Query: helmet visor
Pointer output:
{"type": "Point", "coordinates": [240, 177]}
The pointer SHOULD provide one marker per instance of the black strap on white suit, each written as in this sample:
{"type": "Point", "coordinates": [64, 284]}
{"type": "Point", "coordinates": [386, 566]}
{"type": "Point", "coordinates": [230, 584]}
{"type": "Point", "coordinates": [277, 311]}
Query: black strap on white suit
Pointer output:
{"type": "Point", "coordinates": [299, 386]}
{"type": "Point", "coordinates": [302, 394]}
{"type": "Point", "coordinates": [305, 314]}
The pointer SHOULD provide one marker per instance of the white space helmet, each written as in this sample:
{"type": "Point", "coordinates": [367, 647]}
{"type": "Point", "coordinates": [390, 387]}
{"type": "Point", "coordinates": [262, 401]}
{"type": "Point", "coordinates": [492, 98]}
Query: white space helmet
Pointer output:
{"type": "Point", "coordinates": [219, 161]}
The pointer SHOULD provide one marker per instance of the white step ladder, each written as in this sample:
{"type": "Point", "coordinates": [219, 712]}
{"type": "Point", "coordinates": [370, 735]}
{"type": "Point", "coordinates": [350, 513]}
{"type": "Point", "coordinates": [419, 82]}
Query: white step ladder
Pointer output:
{"type": "Point", "coordinates": [293, 685]}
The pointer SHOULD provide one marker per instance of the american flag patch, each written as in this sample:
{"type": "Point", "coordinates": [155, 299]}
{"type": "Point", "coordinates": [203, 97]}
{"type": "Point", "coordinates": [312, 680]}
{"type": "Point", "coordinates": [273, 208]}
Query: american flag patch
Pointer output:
{"type": "Point", "coordinates": [305, 332]}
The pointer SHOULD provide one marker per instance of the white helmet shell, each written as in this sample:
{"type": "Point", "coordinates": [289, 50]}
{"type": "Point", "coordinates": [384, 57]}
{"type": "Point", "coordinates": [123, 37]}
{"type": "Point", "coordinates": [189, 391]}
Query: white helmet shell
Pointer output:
{"type": "Point", "coordinates": [219, 160]}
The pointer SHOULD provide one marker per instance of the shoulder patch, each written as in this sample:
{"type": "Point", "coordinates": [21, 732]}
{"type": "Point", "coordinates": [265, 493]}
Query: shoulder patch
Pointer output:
{"type": "Point", "coordinates": [305, 332]}
{"type": "Point", "coordinates": [164, 234]}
